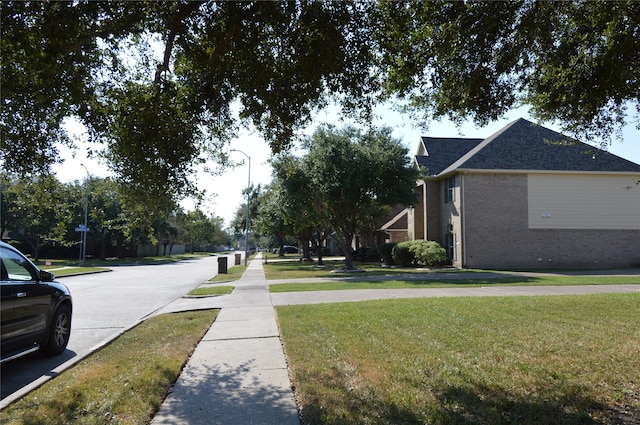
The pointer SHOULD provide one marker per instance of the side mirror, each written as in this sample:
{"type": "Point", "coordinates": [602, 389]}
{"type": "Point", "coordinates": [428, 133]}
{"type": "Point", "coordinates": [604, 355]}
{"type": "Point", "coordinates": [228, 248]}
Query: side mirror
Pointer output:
{"type": "Point", "coordinates": [46, 276]}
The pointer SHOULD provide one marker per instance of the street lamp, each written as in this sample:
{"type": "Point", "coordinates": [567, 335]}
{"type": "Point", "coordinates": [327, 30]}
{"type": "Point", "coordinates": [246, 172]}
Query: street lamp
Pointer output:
{"type": "Point", "coordinates": [86, 210]}
{"type": "Point", "coordinates": [246, 234]}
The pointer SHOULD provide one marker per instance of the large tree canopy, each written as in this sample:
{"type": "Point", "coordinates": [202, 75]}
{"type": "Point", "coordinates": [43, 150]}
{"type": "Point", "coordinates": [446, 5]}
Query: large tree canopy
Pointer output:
{"type": "Point", "coordinates": [162, 85]}
{"type": "Point", "coordinates": [577, 62]}
{"type": "Point", "coordinates": [352, 173]}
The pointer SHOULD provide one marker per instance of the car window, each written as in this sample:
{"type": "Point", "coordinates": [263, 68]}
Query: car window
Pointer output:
{"type": "Point", "coordinates": [18, 269]}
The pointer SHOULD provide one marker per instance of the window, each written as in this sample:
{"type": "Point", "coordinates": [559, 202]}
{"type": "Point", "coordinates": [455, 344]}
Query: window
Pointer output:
{"type": "Point", "coordinates": [450, 242]}
{"type": "Point", "coordinates": [16, 267]}
{"type": "Point", "coordinates": [449, 192]}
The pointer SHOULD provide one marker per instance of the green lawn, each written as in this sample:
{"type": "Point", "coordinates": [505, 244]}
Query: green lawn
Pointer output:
{"type": "Point", "coordinates": [70, 271]}
{"type": "Point", "coordinates": [365, 282]}
{"type": "Point", "coordinates": [299, 269]}
{"type": "Point", "coordinates": [211, 290]}
{"type": "Point", "coordinates": [503, 360]}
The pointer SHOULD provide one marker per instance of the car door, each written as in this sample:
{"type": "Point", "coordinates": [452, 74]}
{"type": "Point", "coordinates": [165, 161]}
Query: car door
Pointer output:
{"type": "Point", "coordinates": [6, 306]}
{"type": "Point", "coordinates": [27, 302]}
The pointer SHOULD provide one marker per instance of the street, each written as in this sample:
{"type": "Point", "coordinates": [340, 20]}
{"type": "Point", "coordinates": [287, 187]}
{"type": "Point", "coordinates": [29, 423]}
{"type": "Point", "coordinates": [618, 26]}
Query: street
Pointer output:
{"type": "Point", "coordinates": [105, 305]}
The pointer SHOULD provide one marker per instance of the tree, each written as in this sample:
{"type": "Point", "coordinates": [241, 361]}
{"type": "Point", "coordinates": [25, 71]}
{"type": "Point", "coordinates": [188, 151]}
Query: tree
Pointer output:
{"type": "Point", "coordinates": [272, 213]}
{"type": "Point", "coordinates": [154, 143]}
{"type": "Point", "coordinates": [479, 59]}
{"type": "Point", "coordinates": [107, 218]}
{"type": "Point", "coordinates": [92, 60]}
{"type": "Point", "coordinates": [37, 211]}
{"type": "Point", "coordinates": [304, 208]}
{"type": "Point", "coordinates": [49, 53]}
{"type": "Point", "coordinates": [199, 231]}
{"type": "Point", "coordinates": [239, 222]}
{"type": "Point", "coordinates": [353, 172]}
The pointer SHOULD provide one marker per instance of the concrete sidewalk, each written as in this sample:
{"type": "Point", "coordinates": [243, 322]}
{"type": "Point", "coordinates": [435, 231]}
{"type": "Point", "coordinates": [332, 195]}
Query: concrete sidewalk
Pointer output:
{"type": "Point", "coordinates": [238, 373]}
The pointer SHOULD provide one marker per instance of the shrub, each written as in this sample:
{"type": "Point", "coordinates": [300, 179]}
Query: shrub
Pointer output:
{"type": "Point", "coordinates": [428, 253]}
{"type": "Point", "coordinates": [402, 254]}
{"type": "Point", "coordinates": [385, 250]}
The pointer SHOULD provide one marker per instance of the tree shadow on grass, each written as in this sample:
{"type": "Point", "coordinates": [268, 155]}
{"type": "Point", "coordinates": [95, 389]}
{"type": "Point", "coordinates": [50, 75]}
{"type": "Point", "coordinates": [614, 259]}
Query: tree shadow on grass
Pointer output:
{"type": "Point", "coordinates": [473, 404]}
{"type": "Point", "coordinates": [480, 404]}
{"type": "Point", "coordinates": [449, 279]}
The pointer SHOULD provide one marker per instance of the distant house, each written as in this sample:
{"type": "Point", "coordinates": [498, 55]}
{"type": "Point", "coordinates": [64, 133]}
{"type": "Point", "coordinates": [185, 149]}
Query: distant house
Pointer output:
{"type": "Point", "coordinates": [525, 197]}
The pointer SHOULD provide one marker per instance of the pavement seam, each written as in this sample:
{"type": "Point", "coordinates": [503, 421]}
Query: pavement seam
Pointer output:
{"type": "Point", "coordinates": [242, 339]}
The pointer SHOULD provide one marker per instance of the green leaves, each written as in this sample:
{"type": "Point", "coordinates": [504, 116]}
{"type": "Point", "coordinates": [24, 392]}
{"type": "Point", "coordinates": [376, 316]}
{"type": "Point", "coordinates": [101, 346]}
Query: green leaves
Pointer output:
{"type": "Point", "coordinates": [355, 173]}
{"type": "Point", "coordinates": [154, 143]}
{"type": "Point", "coordinates": [575, 63]}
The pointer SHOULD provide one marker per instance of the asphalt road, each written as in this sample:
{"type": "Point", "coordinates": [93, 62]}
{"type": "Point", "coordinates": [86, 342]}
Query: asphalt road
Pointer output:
{"type": "Point", "coordinates": [104, 306]}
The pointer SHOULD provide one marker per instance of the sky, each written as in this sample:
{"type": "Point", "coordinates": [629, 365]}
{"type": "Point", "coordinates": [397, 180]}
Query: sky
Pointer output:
{"type": "Point", "coordinates": [228, 187]}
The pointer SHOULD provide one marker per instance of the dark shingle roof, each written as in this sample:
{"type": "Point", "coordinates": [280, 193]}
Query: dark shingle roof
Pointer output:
{"type": "Point", "coordinates": [442, 152]}
{"type": "Point", "coordinates": [523, 145]}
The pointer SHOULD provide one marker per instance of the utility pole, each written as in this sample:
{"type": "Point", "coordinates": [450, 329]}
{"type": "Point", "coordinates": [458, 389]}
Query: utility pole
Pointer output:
{"type": "Point", "coordinates": [246, 233]}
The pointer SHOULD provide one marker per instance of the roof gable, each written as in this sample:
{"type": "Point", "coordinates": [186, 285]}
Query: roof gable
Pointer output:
{"type": "Point", "coordinates": [523, 145]}
{"type": "Point", "coordinates": [442, 152]}
{"type": "Point", "coordinates": [399, 221]}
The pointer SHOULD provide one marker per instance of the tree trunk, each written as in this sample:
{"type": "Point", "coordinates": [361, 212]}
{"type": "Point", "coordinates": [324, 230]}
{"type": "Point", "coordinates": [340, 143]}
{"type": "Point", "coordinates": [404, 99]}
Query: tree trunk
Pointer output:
{"type": "Point", "coordinates": [306, 252]}
{"type": "Point", "coordinates": [318, 242]}
{"type": "Point", "coordinates": [317, 246]}
{"type": "Point", "coordinates": [348, 252]}
{"type": "Point", "coordinates": [304, 239]}
{"type": "Point", "coordinates": [37, 247]}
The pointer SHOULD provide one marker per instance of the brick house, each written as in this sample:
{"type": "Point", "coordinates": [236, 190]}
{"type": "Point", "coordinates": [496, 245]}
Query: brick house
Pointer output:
{"type": "Point", "coordinates": [525, 197]}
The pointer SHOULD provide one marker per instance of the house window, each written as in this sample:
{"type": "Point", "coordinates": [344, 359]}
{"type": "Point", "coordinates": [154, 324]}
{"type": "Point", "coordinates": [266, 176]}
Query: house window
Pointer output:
{"type": "Point", "coordinates": [450, 242]}
{"type": "Point", "coordinates": [449, 192]}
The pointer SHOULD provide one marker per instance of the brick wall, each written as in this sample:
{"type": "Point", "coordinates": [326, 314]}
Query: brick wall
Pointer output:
{"type": "Point", "coordinates": [434, 212]}
{"type": "Point", "coordinates": [496, 232]}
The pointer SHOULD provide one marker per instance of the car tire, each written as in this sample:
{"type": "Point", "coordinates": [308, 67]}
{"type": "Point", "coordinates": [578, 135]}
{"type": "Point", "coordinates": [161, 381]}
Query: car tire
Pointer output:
{"type": "Point", "coordinates": [59, 332]}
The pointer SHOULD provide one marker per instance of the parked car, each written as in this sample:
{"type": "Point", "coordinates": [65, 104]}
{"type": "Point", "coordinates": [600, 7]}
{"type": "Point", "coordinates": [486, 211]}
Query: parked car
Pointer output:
{"type": "Point", "coordinates": [288, 249]}
{"type": "Point", "coordinates": [35, 310]}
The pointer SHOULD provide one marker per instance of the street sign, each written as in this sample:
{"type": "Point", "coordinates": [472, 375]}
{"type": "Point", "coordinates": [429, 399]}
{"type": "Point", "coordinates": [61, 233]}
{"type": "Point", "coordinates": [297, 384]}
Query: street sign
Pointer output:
{"type": "Point", "coordinates": [82, 228]}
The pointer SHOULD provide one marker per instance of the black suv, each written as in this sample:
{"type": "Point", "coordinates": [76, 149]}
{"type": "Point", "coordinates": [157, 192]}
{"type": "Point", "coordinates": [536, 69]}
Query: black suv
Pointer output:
{"type": "Point", "coordinates": [36, 310]}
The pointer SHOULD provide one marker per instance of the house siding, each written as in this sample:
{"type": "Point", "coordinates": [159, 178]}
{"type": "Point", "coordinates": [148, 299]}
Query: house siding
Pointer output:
{"type": "Point", "coordinates": [560, 201]}
{"type": "Point", "coordinates": [415, 215]}
{"type": "Point", "coordinates": [397, 236]}
{"type": "Point", "coordinates": [497, 234]}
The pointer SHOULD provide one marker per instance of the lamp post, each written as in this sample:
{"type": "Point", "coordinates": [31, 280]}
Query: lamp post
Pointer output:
{"type": "Point", "coordinates": [86, 211]}
{"type": "Point", "coordinates": [246, 233]}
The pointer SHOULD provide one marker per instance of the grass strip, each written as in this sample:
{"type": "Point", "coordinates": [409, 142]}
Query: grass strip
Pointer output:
{"type": "Point", "coordinates": [124, 383]}
{"type": "Point", "coordinates": [364, 282]}
{"type": "Point", "coordinates": [94, 262]}
{"type": "Point", "coordinates": [70, 271]}
{"type": "Point", "coordinates": [233, 273]}
{"type": "Point", "coordinates": [503, 360]}
{"type": "Point", "coordinates": [209, 290]}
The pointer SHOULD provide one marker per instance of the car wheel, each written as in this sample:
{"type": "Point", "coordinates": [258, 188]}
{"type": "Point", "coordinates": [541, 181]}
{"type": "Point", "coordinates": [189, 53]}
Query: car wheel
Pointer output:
{"type": "Point", "coordinates": [59, 332]}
